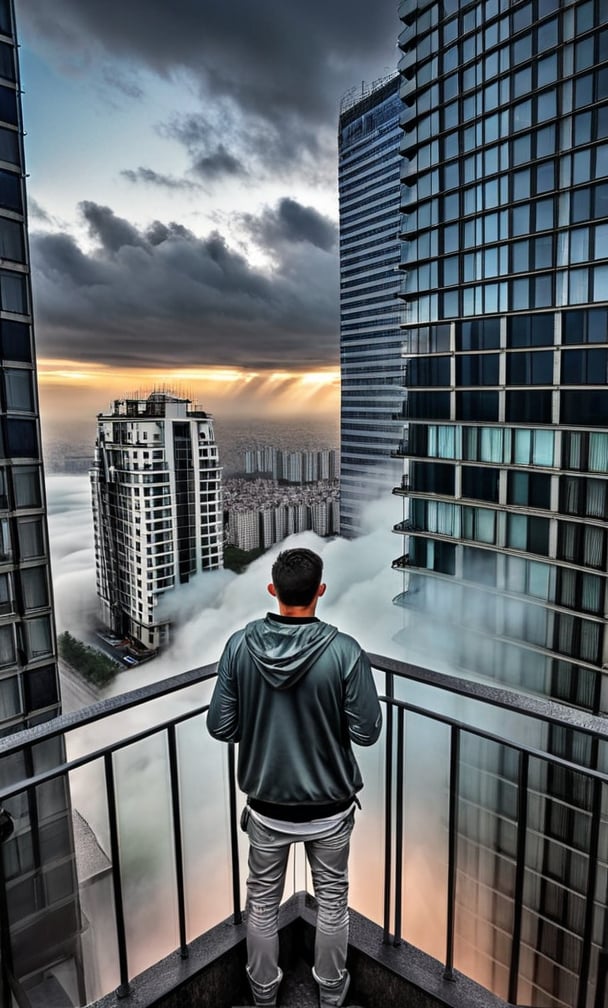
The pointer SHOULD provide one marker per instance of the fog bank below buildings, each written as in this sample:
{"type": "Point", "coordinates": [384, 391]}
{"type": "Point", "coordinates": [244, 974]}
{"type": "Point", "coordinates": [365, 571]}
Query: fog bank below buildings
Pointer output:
{"type": "Point", "coordinates": [360, 587]}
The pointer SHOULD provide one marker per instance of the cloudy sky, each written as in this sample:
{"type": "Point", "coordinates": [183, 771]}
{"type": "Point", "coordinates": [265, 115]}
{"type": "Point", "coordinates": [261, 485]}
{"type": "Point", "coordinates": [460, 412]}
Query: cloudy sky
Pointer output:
{"type": "Point", "coordinates": [182, 191]}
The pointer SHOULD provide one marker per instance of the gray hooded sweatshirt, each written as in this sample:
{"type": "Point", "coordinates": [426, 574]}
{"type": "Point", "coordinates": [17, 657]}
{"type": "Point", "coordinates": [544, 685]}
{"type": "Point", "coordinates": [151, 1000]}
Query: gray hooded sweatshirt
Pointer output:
{"type": "Point", "coordinates": [294, 694]}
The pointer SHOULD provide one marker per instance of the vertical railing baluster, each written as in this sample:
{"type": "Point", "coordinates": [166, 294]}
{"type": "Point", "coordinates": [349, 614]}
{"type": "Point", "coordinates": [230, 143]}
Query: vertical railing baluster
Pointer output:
{"type": "Point", "coordinates": [452, 850]}
{"type": "Point", "coordinates": [177, 839]}
{"type": "Point", "coordinates": [388, 804]}
{"type": "Point", "coordinates": [520, 870]}
{"type": "Point", "coordinates": [399, 828]}
{"type": "Point", "coordinates": [594, 840]}
{"type": "Point", "coordinates": [237, 916]}
{"type": "Point", "coordinates": [6, 950]}
{"type": "Point", "coordinates": [123, 990]}
{"type": "Point", "coordinates": [602, 973]}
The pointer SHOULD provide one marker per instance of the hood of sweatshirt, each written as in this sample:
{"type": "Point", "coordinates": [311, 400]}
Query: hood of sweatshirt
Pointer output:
{"type": "Point", "coordinates": [284, 652]}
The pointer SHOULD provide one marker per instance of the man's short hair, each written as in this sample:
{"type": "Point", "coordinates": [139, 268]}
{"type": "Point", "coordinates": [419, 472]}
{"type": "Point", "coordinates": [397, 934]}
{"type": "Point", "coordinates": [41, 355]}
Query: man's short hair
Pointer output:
{"type": "Point", "coordinates": [296, 575]}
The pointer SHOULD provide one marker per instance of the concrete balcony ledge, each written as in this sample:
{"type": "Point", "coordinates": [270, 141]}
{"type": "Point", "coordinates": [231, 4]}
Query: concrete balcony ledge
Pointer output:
{"type": "Point", "coordinates": [383, 976]}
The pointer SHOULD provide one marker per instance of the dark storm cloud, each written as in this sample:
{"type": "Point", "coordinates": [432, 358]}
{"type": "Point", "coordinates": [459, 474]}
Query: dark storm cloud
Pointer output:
{"type": "Point", "coordinates": [218, 164]}
{"type": "Point", "coordinates": [111, 231]}
{"type": "Point", "coordinates": [286, 64]}
{"type": "Point", "coordinates": [150, 177]}
{"type": "Point", "coordinates": [170, 298]}
{"type": "Point", "coordinates": [291, 222]}
{"type": "Point", "coordinates": [266, 148]}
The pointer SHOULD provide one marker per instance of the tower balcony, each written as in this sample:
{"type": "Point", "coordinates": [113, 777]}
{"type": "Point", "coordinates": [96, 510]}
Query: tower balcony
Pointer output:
{"type": "Point", "coordinates": [160, 859]}
{"type": "Point", "coordinates": [402, 448]}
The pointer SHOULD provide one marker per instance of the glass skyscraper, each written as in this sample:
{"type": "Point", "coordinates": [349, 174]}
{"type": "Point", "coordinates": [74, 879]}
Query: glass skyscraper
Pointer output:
{"type": "Point", "coordinates": [370, 339]}
{"type": "Point", "coordinates": [40, 921]}
{"type": "Point", "coordinates": [505, 290]}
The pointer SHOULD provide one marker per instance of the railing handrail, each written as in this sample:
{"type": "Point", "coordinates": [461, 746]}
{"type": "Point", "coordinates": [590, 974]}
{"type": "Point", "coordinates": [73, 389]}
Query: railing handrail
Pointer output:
{"type": "Point", "coordinates": [542, 709]}
{"type": "Point", "coordinates": [527, 704]}
{"type": "Point", "coordinates": [102, 708]}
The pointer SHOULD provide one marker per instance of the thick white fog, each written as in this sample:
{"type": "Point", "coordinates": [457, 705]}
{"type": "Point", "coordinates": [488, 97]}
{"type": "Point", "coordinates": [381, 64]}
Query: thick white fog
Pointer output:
{"type": "Point", "coordinates": [360, 589]}
{"type": "Point", "coordinates": [360, 586]}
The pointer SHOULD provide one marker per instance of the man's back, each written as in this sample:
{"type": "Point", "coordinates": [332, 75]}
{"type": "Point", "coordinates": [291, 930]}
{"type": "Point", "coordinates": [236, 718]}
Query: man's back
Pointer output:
{"type": "Point", "coordinates": [294, 693]}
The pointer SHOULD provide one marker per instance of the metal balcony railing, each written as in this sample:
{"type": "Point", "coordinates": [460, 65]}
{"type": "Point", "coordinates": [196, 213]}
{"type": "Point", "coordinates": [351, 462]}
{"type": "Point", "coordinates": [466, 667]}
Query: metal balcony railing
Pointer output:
{"type": "Point", "coordinates": [455, 712]}
{"type": "Point", "coordinates": [401, 450]}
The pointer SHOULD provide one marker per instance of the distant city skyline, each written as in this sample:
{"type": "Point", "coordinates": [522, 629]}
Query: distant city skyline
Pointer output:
{"type": "Point", "coordinates": [182, 218]}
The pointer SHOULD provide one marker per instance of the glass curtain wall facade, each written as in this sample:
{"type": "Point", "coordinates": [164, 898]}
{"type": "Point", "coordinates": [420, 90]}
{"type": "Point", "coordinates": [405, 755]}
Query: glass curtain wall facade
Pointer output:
{"type": "Point", "coordinates": [370, 339]}
{"type": "Point", "coordinates": [40, 919]}
{"type": "Point", "coordinates": [505, 288]}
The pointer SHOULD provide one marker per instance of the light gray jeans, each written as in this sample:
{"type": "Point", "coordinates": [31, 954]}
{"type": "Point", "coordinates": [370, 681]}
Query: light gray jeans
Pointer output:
{"type": "Point", "coordinates": [328, 860]}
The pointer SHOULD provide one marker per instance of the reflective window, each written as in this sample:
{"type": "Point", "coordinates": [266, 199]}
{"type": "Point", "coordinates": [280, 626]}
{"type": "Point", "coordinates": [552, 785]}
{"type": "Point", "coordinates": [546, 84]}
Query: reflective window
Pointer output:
{"type": "Point", "coordinates": [581, 544]}
{"type": "Point", "coordinates": [35, 587]}
{"type": "Point", "coordinates": [41, 688]}
{"type": "Point", "coordinates": [26, 486]}
{"type": "Point", "coordinates": [480, 334]}
{"type": "Point", "coordinates": [477, 369]}
{"type": "Point", "coordinates": [6, 601]}
{"type": "Point", "coordinates": [479, 524]}
{"type": "Point", "coordinates": [480, 482]}
{"type": "Point", "coordinates": [585, 326]}
{"type": "Point", "coordinates": [530, 368]}
{"type": "Point", "coordinates": [38, 637]}
{"type": "Point", "coordinates": [7, 62]}
{"type": "Point", "coordinates": [479, 565]}
{"type": "Point", "coordinates": [529, 489]}
{"type": "Point", "coordinates": [8, 106]}
{"type": "Point", "coordinates": [585, 367]}
{"type": "Point", "coordinates": [15, 341]}
{"type": "Point", "coordinates": [31, 538]}
{"type": "Point", "coordinates": [9, 146]}
{"type": "Point", "coordinates": [13, 292]}
{"type": "Point", "coordinates": [527, 533]}
{"type": "Point", "coordinates": [530, 330]}
{"type": "Point", "coordinates": [589, 408]}
{"type": "Point", "coordinates": [11, 240]}
{"type": "Point", "coordinates": [11, 197]}
{"type": "Point", "coordinates": [21, 440]}
{"type": "Point", "coordinates": [529, 577]}
{"type": "Point", "coordinates": [583, 497]}
{"type": "Point", "coordinates": [532, 447]}
{"type": "Point", "coordinates": [18, 389]}
{"type": "Point", "coordinates": [531, 406]}
{"type": "Point", "coordinates": [477, 405]}
{"type": "Point", "coordinates": [7, 645]}
{"type": "Point", "coordinates": [6, 547]}
{"type": "Point", "coordinates": [579, 591]}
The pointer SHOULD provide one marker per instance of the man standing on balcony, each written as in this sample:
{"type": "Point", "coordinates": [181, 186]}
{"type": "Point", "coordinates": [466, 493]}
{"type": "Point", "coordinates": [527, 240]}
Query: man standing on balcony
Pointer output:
{"type": "Point", "coordinates": [294, 692]}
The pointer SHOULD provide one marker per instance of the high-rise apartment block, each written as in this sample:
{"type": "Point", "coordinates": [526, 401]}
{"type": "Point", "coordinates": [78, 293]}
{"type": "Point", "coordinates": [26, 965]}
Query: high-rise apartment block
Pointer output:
{"type": "Point", "coordinates": [292, 466]}
{"type": "Point", "coordinates": [41, 921]}
{"type": "Point", "coordinates": [157, 509]}
{"type": "Point", "coordinates": [263, 512]}
{"type": "Point", "coordinates": [370, 338]}
{"type": "Point", "coordinates": [505, 265]}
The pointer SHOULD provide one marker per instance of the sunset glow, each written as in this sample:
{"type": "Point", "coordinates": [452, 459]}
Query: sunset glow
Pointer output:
{"type": "Point", "coordinates": [215, 389]}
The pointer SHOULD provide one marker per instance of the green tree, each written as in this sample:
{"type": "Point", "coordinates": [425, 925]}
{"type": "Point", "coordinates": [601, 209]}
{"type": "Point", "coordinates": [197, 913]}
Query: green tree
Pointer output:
{"type": "Point", "coordinates": [92, 665]}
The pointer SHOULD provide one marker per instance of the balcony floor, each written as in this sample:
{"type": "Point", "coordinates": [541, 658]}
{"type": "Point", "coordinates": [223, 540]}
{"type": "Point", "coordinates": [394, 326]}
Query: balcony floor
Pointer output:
{"type": "Point", "coordinates": [213, 976]}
